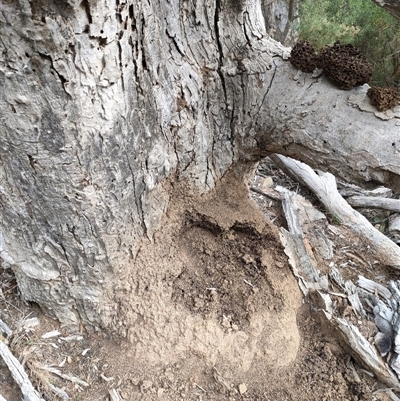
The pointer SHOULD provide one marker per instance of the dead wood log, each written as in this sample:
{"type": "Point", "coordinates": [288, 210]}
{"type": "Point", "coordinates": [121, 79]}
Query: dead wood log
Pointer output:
{"type": "Point", "coordinates": [323, 185]}
{"type": "Point", "coordinates": [321, 296]}
{"type": "Point", "coordinates": [346, 189]}
{"type": "Point", "coordinates": [19, 374]}
{"type": "Point", "coordinates": [363, 351]}
{"type": "Point", "coordinates": [374, 203]}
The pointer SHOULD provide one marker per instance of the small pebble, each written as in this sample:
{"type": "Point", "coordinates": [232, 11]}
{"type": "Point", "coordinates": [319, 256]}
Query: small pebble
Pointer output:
{"type": "Point", "coordinates": [242, 388]}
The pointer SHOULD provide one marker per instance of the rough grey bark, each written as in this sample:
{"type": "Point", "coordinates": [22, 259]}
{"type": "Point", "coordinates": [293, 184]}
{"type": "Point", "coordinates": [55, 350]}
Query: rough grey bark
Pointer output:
{"type": "Point", "coordinates": [281, 19]}
{"type": "Point", "coordinates": [104, 102]}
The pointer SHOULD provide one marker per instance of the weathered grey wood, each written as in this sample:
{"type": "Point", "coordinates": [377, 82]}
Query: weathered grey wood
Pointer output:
{"type": "Point", "coordinates": [19, 374]}
{"type": "Point", "coordinates": [268, 195]}
{"type": "Point", "coordinates": [363, 351]}
{"type": "Point", "coordinates": [394, 228]}
{"type": "Point", "coordinates": [59, 392]}
{"type": "Point", "coordinates": [4, 329]}
{"type": "Point", "coordinates": [301, 260]}
{"type": "Point", "coordinates": [326, 144]}
{"type": "Point", "coordinates": [346, 189]}
{"type": "Point", "coordinates": [347, 333]}
{"type": "Point", "coordinates": [374, 203]}
{"type": "Point", "coordinates": [102, 104]}
{"type": "Point", "coordinates": [373, 287]}
{"type": "Point", "coordinates": [348, 287]}
{"type": "Point", "coordinates": [323, 185]}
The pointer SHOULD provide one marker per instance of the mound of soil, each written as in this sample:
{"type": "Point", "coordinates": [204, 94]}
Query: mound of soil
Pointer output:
{"type": "Point", "coordinates": [209, 310]}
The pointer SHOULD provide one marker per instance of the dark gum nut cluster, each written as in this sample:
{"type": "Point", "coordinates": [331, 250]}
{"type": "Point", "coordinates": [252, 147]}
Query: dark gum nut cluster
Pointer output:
{"type": "Point", "coordinates": [383, 98]}
{"type": "Point", "coordinates": [343, 64]}
{"type": "Point", "coordinates": [303, 56]}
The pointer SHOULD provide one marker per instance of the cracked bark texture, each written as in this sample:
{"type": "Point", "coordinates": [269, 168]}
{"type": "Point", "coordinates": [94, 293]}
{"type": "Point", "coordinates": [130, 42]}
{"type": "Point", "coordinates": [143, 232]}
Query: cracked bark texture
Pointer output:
{"type": "Point", "coordinates": [103, 102]}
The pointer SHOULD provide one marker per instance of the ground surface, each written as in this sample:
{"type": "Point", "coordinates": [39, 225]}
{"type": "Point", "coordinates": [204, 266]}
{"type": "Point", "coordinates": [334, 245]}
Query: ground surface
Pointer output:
{"type": "Point", "coordinates": [211, 311]}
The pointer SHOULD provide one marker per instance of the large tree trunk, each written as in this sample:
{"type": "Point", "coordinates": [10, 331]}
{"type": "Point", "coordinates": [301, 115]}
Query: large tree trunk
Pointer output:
{"type": "Point", "coordinates": [105, 104]}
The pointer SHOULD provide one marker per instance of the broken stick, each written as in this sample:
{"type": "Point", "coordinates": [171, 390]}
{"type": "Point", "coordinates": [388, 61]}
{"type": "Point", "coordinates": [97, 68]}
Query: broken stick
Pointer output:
{"type": "Point", "coordinates": [19, 374]}
{"type": "Point", "coordinates": [375, 203]}
{"type": "Point", "coordinates": [323, 185]}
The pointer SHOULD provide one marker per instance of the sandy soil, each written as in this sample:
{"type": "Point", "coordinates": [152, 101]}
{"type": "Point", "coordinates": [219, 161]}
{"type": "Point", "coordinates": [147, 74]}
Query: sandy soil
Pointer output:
{"type": "Point", "coordinates": [209, 310]}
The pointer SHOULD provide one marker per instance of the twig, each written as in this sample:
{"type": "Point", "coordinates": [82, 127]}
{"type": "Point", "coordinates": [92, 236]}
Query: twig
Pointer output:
{"type": "Point", "coordinates": [105, 378]}
{"type": "Point", "coordinates": [114, 396]}
{"type": "Point", "coordinates": [201, 388]}
{"type": "Point", "coordinates": [273, 197]}
{"type": "Point", "coordinates": [58, 391]}
{"type": "Point", "coordinates": [56, 372]}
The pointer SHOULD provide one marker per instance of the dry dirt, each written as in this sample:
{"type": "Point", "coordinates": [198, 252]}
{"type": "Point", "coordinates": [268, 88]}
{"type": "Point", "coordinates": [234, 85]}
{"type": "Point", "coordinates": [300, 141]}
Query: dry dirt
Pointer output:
{"type": "Point", "coordinates": [210, 310]}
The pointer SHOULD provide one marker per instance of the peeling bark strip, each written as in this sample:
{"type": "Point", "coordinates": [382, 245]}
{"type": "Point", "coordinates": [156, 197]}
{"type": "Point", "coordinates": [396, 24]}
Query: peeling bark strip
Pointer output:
{"type": "Point", "coordinates": [102, 102]}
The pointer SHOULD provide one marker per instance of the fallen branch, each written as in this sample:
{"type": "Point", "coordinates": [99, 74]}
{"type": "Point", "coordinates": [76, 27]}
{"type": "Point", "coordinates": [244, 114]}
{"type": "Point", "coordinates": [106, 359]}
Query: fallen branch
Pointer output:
{"type": "Point", "coordinates": [323, 185]}
{"type": "Point", "coordinates": [375, 203]}
{"type": "Point", "coordinates": [271, 196]}
{"type": "Point", "coordinates": [19, 374]}
{"type": "Point", "coordinates": [346, 189]}
{"type": "Point", "coordinates": [363, 351]}
{"type": "Point", "coordinates": [302, 222]}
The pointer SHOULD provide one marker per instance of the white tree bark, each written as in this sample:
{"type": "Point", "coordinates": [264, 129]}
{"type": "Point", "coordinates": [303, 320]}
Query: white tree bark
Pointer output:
{"type": "Point", "coordinates": [102, 103]}
{"type": "Point", "coordinates": [281, 17]}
